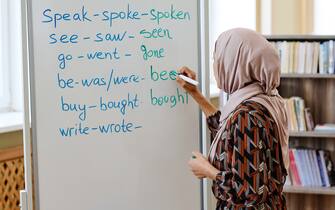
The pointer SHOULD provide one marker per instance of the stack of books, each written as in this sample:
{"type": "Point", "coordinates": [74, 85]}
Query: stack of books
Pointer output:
{"type": "Point", "coordinates": [306, 57]}
{"type": "Point", "coordinates": [299, 117]}
{"type": "Point", "coordinates": [309, 168]}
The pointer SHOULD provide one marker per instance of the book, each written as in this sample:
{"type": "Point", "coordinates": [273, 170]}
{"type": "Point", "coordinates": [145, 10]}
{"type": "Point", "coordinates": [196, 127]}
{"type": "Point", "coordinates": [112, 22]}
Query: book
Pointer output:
{"type": "Point", "coordinates": [296, 57]}
{"type": "Point", "coordinates": [326, 57]}
{"type": "Point", "coordinates": [324, 168]}
{"type": "Point", "coordinates": [331, 57]}
{"type": "Point", "coordinates": [322, 59]}
{"type": "Point", "coordinates": [302, 58]}
{"type": "Point", "coordinates": [291, 58]}
{"type": "Point", "coordinates": [307, 168]}
{"type": "Point", "coordinates": [313, 168]}
{"type": "Point", "coordinates": [309, 58]}
{"type": "Point", "coordinates": [328, 127]}
{"type": "Point", "coordinates": [301, 167]}
{"type": "Point", "coordinates": [293, 169]}
{"type": "Point", "coordinates": [291, 113]}
{"type": "Point", "coordinates": [322, 172]}
{"type": "Point", "coordinates": [316, 46]}
{"type": "Point", "coordinates": [316, 167]}
{"type": "Point", "coordinates": [298, 110]}
{"type": "Point", "coordinates": [309, 120]}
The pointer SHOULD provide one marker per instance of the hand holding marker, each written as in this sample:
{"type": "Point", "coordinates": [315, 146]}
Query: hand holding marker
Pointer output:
{"type": "Point", "coordinates": [187, 79]}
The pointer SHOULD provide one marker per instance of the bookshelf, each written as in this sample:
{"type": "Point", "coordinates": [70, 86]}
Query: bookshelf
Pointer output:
{"type": "Point", "coordinates": [309, 76]}
{"type": "Point", "coordinates": [313, 134]}
{"type": "Point", "coordinates": [318, 91]}
{"type": "Point", "coordinates": [310, 190]}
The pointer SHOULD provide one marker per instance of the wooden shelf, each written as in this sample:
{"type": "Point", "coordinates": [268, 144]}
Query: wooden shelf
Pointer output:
{"type": "Point", "coordinates": [299, 38]}
{"type": "Point", "coordinates": [310, 190]}
{"type": "Point", "coordinates": [313, 134]}
{"type": "Point", "coordinates": [309, 76]}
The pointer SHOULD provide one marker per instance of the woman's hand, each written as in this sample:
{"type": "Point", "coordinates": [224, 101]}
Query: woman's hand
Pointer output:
{"type": "Point", "coordinates": [187, 86]}
{"type": "Point", "coordinates": [207, 107]}
{"type": "Point", "coordinates": [201, 167]}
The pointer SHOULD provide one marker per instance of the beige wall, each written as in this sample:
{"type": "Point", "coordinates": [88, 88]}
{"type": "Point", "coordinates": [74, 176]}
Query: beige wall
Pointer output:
{"type": "Point", "coordinates": [286, 17]}
{"type": "Point", "coordinates": [289, 16]}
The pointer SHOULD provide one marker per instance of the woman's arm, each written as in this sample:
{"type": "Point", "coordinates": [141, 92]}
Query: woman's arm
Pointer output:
{"type": "Point", "coordinates": [207, 107]}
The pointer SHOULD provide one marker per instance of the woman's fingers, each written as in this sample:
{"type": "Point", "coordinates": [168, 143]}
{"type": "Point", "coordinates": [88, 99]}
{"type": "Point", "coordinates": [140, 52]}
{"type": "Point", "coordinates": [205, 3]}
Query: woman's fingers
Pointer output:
{"type": "Point", "coordinates": [197, 154]}
{"type": "Point", "coordinates": [180, 81]}
{"type": "Point", "coordinates": [186, 86]}
{"type": "Point", "coordinates": [188, 72]}
{"type": "Point", "coordinates": [198, 174]}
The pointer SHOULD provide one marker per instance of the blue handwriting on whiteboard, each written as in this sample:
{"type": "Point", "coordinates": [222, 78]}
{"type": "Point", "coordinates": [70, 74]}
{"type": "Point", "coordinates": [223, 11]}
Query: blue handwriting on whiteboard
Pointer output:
{"type": "Point", "coordinates": [76, 107]}
{"type": "Point", "coordinates": [122, 127]}
{"type": "Point", "coordinates": [117, 37]}
{"type": "Point", "coordinates": [131, 102]}
{"type": "Point", "coordinates": [112, 80]}
{"type": "Point", "coordinates": [99, 55]}
{"type": "Point", "coordinates": [128, 14]}
{"type": "Point", "coordinates": [63, 39]}
{"type": "Point", "coordinates": [55, 18]}
{"type": "Point", "coordinates": [77, 130]}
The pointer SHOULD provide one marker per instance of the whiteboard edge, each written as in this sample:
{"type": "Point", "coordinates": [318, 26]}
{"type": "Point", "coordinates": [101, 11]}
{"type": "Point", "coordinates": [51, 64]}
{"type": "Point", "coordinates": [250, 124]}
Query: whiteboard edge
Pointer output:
{"type": "Point", "coordinates": [35, 187]}
{"type": "Point", "coordinates": [28, 205]}
{"type": "Point", "coordinates": [204, 37]}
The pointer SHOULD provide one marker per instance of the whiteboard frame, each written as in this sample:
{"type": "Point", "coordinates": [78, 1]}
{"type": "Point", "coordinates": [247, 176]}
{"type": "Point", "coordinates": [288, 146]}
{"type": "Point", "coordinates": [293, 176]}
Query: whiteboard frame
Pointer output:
{"type": "Point", "coordinates": [30, 143]}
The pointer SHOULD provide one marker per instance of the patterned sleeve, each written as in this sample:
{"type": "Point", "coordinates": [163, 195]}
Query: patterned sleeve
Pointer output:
{"type": "Point", "coordinates": [244, 183]}
{"type": "Point", "coordinates": [213, 123]}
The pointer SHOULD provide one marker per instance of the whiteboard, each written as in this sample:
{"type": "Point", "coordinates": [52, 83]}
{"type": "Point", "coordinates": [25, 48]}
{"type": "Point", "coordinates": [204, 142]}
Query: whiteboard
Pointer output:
{"type": "Point", "coordinates": [111, 128]}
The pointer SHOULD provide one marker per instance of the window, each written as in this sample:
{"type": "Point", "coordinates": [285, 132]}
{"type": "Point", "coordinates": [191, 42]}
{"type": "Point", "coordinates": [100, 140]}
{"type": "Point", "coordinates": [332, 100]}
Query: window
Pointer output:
{"type": "Point", "coordinates": [10, 56]}
{"type": "Point", "coordinates": [225, 15]}
{"type": "Point", "coordinates": [4, 79]}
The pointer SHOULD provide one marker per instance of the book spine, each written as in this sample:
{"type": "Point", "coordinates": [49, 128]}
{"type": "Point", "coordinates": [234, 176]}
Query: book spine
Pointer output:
{"type": "Point", "coordinates": [300, 167]}
{"type": "Point", "coordinates": [312, 168]}
{"type": "Point", "coordinates": [326, 57]}
{"type": "Point", "coordinates": [294, 170]}
{"type": "Point", "coordinates": [316, 168]}
{"type": "Point", "coordinates": [321, 59]}
{"type": "Point", "coordinates": [324, 168]}
{"type": "Point", "coordinates": [331, 57]}
{"type": "Point", "coordinates": [307, 172]}
{"type": "Point", "coordinates": [322, 175]}
{"type": "Point", "coordinates": [302, 114]}
{"type": "Point", "coordinates": [316, 57]}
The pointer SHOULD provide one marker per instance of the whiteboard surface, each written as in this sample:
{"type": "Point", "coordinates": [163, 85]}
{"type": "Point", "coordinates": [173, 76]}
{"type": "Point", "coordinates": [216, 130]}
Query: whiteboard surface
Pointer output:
{"type": "Point", "coordinates": [141, 163]}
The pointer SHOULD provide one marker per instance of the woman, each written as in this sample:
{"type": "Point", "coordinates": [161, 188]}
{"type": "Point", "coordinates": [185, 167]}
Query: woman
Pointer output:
{"type": "Point", "coordinates": [248, 159]}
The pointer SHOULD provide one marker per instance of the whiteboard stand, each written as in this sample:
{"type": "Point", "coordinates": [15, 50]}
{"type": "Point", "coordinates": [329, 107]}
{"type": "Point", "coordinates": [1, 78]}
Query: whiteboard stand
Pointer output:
{"type": "Point", "coordinates": [23, 200]}
{"type": "Point", "coordinates": [204, 27]}
{"type": "Point", "coordinates": [26, 196]}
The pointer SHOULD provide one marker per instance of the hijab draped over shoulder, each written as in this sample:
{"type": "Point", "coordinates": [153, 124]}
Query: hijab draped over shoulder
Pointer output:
{"type": "Point", "coordinates": [247, 67]}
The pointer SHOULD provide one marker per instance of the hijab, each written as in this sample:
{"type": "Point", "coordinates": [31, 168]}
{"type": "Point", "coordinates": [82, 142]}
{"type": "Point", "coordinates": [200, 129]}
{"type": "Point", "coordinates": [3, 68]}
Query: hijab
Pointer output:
{"type": "Point", "coordinates": [247, 67]}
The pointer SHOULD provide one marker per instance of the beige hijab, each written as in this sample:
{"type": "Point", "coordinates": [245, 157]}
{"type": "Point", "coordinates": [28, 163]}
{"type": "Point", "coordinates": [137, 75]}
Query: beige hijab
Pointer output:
{"type": "Point", "coordinates": [247, 67]}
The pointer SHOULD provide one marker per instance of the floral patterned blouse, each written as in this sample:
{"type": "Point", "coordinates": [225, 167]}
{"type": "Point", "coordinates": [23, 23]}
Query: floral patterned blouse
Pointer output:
{"type": "Point", "coordinates": [248, 155]}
